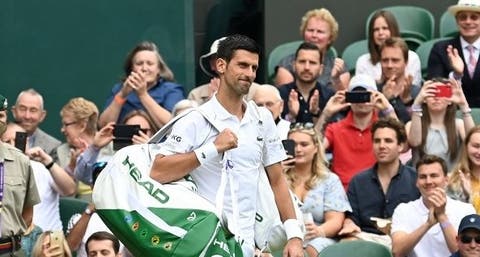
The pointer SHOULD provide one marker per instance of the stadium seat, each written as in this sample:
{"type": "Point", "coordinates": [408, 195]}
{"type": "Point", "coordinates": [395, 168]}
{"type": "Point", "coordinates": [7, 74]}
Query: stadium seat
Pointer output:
{"type": "Point", "coordinates": [423, 52]}
{"type": "Point", "coordinates": [68, 207]}
{"type": "Point", "coordinates": [285, 49]}
{"type": "Point", "coordinates": [357, 248]}
{"type": "Point", "coordinates": [448, 25]}
{"type": "Point", "coordinates": [414, 22]}
{"type": "Point", "coordinates": [352, 52]}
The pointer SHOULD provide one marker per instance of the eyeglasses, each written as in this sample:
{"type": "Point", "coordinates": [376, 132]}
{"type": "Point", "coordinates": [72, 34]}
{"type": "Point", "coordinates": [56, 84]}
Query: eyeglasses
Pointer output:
{"type": "Point", "coordinates": [66, 124]}
{"type": "Point", "coordinates": [468, 239]}
{"type": "Point", "coordinates": [464, 16]}
{"type": "Point", "coordinates": [300, 125]}
{"type": "Point", "coordinates": [268, 103]}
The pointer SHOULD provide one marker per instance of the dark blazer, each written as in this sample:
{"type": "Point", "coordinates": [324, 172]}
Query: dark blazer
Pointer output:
{"type": "Point", "coordinates": [439, 66]}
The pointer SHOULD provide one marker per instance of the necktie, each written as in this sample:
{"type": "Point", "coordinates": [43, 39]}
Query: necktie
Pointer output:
{"type": "Point", "coordinates": [472, 60]}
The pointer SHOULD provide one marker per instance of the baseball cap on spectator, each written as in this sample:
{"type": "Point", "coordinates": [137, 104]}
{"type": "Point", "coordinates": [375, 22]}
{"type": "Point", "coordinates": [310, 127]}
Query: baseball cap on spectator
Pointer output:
{"type": "Point", "coordinates": [3, 103]}
{"type": "Point", "coordinates": [470, 221]}
{"type": "Point", "coordinates": [465, 5]}
{"type": "Point", "coordinates": [205, 59]}
{"type": "Point", "coordinates": [362, 82]}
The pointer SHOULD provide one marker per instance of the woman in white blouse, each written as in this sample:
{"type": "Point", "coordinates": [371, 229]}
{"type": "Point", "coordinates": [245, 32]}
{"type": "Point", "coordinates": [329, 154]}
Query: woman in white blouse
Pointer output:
{"type": "Point", "coordinates": [383, 25]}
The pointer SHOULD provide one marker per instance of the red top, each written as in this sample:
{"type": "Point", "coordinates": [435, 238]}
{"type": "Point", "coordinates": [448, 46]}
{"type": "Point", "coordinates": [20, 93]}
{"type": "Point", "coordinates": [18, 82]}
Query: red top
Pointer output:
{"type": "Point", "coordinates": [352, 148]}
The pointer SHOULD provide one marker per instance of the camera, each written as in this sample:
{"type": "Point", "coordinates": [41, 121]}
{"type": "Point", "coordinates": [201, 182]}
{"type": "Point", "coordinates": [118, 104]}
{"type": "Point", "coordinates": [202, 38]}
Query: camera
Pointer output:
{"type": "Point", "coordinates": [123, 135]}
{"type": "Point", "coordinates": [357, 97]}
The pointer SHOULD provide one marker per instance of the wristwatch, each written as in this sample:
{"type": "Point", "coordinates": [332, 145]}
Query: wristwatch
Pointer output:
{"type": "Point", "coordinates": [88, 211]}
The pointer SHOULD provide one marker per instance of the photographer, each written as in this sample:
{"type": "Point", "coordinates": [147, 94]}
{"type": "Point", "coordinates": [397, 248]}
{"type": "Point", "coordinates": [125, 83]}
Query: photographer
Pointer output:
{"type": "Point", "coordinates": [434, 128]}
{"type": "Point", "coordinates": [350, 139]}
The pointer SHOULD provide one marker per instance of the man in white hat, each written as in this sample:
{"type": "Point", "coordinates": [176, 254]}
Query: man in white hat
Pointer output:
{"type": "Point", "coordinates": [458, 57]}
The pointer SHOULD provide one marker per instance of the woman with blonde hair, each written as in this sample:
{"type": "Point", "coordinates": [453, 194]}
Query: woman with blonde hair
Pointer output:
{"type": "Point", "coordinates": [320, 190]}
{"type": "Point", "coordinates": [464, 181]}
{"type": "Point", "coordinates": [318, 27]}
{"type": "Point", "coordinates": [148, 85]}
{"type": "Point", "coordinates": [79, 125]}
{"type": "Point", "coordinates": [51, 244]}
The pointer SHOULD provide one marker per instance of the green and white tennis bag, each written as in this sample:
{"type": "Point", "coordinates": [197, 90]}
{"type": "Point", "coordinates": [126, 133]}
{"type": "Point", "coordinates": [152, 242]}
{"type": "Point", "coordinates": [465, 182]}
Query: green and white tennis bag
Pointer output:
{"type": "Point", "coordinates": [153, 219]}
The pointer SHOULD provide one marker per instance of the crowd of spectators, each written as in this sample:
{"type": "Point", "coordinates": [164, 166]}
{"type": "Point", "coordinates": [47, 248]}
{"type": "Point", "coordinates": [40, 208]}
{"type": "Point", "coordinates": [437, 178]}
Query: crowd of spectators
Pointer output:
{"type": "Point", "coordinates": [380, 155]}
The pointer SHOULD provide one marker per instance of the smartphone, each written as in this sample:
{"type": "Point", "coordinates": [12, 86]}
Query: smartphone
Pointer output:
{"type": "Point", "coordinates": [444, 90]}
{"type": "Point", "coordinates": [56, 239]}
{"type": "Point", "coordinates": [357, 97]}
{"type": "Point", "coordinates": [289, 146]}
{"type": "Point", "coordinates": [123, 135]}
{"type": "Point", "coordinates": [21, 140]}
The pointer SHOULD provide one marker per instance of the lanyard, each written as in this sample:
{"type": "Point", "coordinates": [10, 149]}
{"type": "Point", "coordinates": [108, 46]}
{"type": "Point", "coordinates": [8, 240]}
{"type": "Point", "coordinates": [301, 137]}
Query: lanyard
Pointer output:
{"type": "Point", "coordinates": [2, 180]}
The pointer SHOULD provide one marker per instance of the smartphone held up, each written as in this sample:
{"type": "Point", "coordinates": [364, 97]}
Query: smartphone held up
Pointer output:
{"type": "Point", "coordinates": [444, 90]}
{"type": "Point", "coordinates": [357, 96]}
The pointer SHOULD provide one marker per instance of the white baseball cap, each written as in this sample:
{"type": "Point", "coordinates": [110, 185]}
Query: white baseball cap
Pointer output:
{"type": "Point", "coordinates": [205, 59]}
{"type": "Point", "coordinates": [363, 81]}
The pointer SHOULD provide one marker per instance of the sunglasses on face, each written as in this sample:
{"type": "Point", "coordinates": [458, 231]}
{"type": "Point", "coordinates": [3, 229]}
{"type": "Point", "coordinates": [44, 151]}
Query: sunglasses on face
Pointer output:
{"type": "Point", "coordinates": [465, 16]}
{"type": "Point", "coordinates": [299, 125]}
{"type": "Point", "coordinates": [468, 239]}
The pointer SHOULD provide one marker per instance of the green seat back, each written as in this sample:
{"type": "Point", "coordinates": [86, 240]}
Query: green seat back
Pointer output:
{"type": "Point", "coordinates": [68, 207]}
{"type": "Point", "coordinates": [357, 248]}
{"type": "Point", "coordinates": [423, 52]}
{"type": "Point", "coordinates": [448, 25]}
{"type": "Point", "coordinates": [283, 50]}
{"type": "Point", "coordinates": [475, 115]}
{"type": "Point", "coordinates": [278, 53]}
{"type": "Point", "coordinates": [413, 22]}
{"type": "Point", "coordinates": [352, 52]}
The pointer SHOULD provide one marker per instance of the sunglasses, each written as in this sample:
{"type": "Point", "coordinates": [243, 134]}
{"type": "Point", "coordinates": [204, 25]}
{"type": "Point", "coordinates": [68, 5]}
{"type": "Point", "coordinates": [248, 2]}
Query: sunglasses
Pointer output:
{"type": "Point", "coordinates": [299, 125]}
{"type": "Point", "coordinates": [464, 16]}
{"type": "Point", "coordinates": [468, 239]}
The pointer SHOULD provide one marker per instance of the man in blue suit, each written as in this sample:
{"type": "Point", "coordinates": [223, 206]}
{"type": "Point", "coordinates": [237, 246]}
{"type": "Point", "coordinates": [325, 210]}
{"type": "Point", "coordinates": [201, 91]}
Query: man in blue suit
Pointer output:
{"type": "Point", "coordinates": [458, 57]}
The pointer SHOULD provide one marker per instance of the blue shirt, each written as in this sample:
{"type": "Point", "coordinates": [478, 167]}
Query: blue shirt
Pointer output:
{"type": "Point", "coordinates": [304, 114]}
{"type": "Point", "coordinates": [367, 199]}
{"type": "Point", "coordinates": [165, 93]}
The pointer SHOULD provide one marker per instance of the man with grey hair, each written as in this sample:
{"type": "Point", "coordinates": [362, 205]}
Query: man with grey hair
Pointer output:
{"type": "Point", "coordinates": [269, 96]}
{"type": "Point", "coordinates": [28, 112]}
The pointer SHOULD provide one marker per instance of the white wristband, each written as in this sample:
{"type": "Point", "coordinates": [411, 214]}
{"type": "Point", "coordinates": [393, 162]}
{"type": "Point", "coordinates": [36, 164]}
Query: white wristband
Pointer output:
{"type": "Point", "coordinates": [292, 229]}
{"type": "Point", "coordinates": [206, 152]}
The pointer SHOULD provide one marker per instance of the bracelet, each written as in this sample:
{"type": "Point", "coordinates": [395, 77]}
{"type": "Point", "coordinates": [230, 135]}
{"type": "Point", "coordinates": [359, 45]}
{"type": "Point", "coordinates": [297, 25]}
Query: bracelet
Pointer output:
{"type": "Point", "coordinates": [418, 114]}
{"type": "Point", "coordinates": [467, 111]}
{"type": "Point", "coordinates": [119, 100]}
{"type": "Point", "coordinates": [316, 115]}
{"type": "Point", "coordinates": [387, 111]}
{"type": "Point", "coordinates": [417, 108]}
{"type": "Point", "coordinates": [48, 166]}
{"type": "Point", "coordinates": [445, 224]}
{"type": "Point", "coordinates": [288, 117]}
{"type": "Point", "coordinates": [206, 152]}
{"type": "Point", "coordinates": [292, 229]}
{"type": "Point", "coordinates": [457, 76]}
